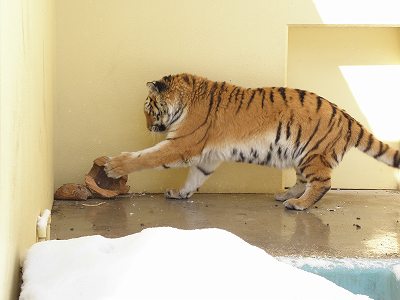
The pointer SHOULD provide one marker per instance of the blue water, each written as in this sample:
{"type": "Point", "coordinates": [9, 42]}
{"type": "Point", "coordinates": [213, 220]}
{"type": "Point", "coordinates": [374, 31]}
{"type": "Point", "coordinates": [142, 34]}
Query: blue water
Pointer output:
{"type": "Point", "coordinates": [374, 278]}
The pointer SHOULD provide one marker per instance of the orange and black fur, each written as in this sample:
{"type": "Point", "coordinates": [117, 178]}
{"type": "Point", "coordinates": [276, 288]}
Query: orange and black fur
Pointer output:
{"type": "Point", "coordinates": [210, 122]}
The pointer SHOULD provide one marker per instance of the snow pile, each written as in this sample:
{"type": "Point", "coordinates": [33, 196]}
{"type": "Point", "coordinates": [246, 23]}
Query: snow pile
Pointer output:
{"type": "Point", "coordinates": [43, 220]}
{"type": "Point", "coordinates": [166, 263]}
{"type": "Point", "coordinates": [396, 271]}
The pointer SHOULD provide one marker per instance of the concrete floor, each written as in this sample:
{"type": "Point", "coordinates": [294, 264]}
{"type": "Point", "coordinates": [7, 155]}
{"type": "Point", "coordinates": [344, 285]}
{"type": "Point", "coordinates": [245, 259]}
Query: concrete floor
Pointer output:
{"type": "Point", "coordinates": [343, 224]}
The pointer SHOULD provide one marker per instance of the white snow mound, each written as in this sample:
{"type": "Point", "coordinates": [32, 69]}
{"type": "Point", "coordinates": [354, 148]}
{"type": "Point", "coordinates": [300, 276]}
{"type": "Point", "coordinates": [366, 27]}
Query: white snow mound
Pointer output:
{"type": "Point", "coordinates": [166, 263]}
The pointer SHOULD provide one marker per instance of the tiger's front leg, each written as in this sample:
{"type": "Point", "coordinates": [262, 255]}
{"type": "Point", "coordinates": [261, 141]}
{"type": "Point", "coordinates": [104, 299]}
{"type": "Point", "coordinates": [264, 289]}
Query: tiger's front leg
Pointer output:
{"type": "Point", "coordinates": [164, 154]}
{"type": "Point", "coordinates": [198, 174]}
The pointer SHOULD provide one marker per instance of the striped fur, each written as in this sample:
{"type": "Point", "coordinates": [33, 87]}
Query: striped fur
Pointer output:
{"type": "Point", "coordinates": [210, 122]}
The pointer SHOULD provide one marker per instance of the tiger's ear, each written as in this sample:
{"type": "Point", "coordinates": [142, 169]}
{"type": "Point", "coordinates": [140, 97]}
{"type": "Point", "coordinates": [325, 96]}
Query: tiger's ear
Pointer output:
{"type": "Point", "coordinates": [152, 87]}
{"type": "Point", "coordinates": [156, 86]}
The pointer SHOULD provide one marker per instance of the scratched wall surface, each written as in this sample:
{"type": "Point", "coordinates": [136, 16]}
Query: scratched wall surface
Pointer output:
{"type": "Point", "coordinates": [107, 51]}
{"type": "Point", "coordinates": [26, 178]}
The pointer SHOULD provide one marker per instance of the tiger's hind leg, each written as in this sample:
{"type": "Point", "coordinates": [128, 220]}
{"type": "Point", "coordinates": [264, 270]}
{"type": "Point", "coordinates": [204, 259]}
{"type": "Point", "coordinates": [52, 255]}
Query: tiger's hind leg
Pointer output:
{"type": "Point", "coordinates": [318, 176]}
{"type": "Point", "coordinates": [295, 191]}
{"type": "Point", "coordinates": [198, 174]}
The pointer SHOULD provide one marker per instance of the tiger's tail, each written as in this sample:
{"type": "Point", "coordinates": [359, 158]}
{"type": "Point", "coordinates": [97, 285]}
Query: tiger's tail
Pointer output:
{"type": "Point", "coordinates": [367, 143]}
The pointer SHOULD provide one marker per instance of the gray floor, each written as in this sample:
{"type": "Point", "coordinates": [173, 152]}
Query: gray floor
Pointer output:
{"type": "Point", "coordinates": [342, 224]}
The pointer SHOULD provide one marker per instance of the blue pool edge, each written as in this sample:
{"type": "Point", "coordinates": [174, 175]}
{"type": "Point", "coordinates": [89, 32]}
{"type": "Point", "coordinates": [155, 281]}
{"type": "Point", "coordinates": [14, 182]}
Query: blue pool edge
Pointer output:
{"type": "Point", "coordinates": [377, 278]}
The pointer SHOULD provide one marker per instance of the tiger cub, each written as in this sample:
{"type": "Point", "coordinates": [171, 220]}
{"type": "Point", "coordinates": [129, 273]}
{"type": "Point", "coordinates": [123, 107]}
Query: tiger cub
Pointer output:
{"type": "Point", "coordinates": [210, 122]}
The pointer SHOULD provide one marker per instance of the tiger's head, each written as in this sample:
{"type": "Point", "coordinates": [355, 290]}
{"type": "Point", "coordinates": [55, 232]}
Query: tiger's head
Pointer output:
{"type": "Point", "coordinates": [164, 105]}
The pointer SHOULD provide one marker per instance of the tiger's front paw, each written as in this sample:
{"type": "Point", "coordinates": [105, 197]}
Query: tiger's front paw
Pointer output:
{"type": "Point", "coordinates": [295, 204]}
{"type": "Point", "coordinates": [175, 194]}
{"type": "Point", "coordinates": [119, 166]}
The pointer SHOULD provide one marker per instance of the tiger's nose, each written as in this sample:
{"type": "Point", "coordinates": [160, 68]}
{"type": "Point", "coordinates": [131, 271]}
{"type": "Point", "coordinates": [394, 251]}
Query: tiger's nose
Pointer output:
{"type": "Point", "coordinates": [161, 127]}
{"type": "Point", "coordinates": [158, 128]}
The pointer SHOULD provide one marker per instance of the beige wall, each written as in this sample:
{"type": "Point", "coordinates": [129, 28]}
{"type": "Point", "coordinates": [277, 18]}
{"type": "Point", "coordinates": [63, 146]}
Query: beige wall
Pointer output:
{"type": "Point", "coordinates": [326, 60]}
{"type": "Point", "coordinates": [107, 50]}
{"type": "Point", "coordinates": [25, 130]}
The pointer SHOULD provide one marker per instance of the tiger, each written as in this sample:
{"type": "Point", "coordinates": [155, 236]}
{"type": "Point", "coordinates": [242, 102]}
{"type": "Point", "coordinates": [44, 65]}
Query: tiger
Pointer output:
{"type": "Point", "coordinates": [209, 122]}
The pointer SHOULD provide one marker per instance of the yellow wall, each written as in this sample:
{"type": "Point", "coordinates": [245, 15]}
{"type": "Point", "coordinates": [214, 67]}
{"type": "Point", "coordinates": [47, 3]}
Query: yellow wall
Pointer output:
{"type": "Point", "coordinates": [26, 178]}
{"type": "Point", "coordinates": [107, 50]}
{"type": "Point", "coordinates": [324, 60]}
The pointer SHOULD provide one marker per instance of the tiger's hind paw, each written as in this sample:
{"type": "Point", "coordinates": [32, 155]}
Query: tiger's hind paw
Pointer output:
{"type": "Point", "coordinates": [282, 196]}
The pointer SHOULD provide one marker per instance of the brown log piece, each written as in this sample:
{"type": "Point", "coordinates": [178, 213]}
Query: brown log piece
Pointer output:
{"type": "Point", "coordinates": [101, 185]}
{"type": "Point", "coordinates": [72, 191]}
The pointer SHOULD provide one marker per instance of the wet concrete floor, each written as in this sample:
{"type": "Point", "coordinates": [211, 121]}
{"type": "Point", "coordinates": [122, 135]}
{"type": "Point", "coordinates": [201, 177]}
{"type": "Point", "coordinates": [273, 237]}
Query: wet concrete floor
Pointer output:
{"type": "Point", "coordinates": [343, 224]}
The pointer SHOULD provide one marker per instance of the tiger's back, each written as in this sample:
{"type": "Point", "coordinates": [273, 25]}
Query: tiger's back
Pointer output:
{"type": "Point", "coordinates": [274, 126]}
